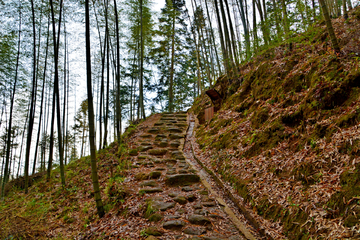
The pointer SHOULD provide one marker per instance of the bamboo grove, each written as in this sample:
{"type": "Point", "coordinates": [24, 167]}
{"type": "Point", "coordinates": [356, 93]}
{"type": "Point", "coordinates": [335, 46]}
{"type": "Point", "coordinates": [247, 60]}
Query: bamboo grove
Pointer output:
{"type": "Point", "coordinates": [141, 60]}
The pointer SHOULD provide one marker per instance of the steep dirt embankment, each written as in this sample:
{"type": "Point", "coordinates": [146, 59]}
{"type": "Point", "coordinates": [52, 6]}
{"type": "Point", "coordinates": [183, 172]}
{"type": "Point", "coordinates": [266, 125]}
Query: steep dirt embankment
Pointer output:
{"type": "Point", "coordinates": [287, 135]}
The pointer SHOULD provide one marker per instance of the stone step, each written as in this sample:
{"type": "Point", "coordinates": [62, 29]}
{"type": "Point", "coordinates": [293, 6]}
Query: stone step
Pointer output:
{"type": "Point", "coordinates": [157, 152]}
{"type": "Point", "coordinates": [182, 179]}
{"type": "Point", "coordinates": [174, 224]}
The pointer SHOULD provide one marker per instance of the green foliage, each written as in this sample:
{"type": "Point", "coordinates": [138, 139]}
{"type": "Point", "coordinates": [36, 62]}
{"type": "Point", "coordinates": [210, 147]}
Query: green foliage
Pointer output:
{"type": "Point", "coordinates": [185, 58]}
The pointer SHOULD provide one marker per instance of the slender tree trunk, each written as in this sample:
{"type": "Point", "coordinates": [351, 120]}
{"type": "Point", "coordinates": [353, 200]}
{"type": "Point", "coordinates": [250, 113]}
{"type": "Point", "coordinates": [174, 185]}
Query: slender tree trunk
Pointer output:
{"type": "Point", "coordinates": [313, 9]}
{"type": "Point", "coordinates": [107, 75]}
{"type": "Point", "coordinates": [118, 105]}
{"type": "Point", "coordinates": [213, 37]}
{"type": "Point", "coordinates": [285, 18]}
{"type": "Point", "coordinates": [198, 64]}
{"type": "Point", "coordinates": [345, 10]}
{"type": "Point", "coordinates": [329, 26]}
{"type": "Point", "coordinates": [233, 38]}
{"type": "Point", "coordinates": [349, 4]}
{"type": "Point", "coordinates": [42, 98]}
{"type": "Point", "coordinates": [222, 42]}
{"type": "Point", "coordinates": [102, 89]}
{"type": "Point", "coordinates": [31, 116]}
{"type": "Point", "coordinates": [141, 93]}
{"type": "Point", "coordinates": [256, 41]}
{"type": "Point", "coordinates": [7, 158]}
{"type": "Point", "coordinates": [171, 96]}
{"type": "Point", "coordinates": [263, 23]}
{"type": "Point", "coordinates": [229, 47]}
{"type": "Point", "coordinates": [22, 140]}
{"type": "Point", "coordinates": [51, 147]}
{"type": "Point", "coordinates": [56, 88]}
{"type": "Point", "coordinates": [277, 21]}
{"type": "Point", "coordinates": [94, 175]}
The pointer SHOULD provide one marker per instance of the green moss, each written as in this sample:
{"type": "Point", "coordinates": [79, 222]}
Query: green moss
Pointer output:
{"type": "Point", "coordinates": [259, 117]}
{"type": "Point", "coordinates": [244, 105]}
{"type": "Point", "coordinates": [292, 119]}
{"type": "Point", "coordinates": [349, 120]}
{"type": "Point", "coordinates": [155, 217]}
{"type": "Point", "coordinates": [343, 200]}
{"type": "Point", "coordinates": [133, 152]}
{"type": "Point", "coordinates": [307, 173]}
{"type": "Point", "coordinates": [225, 141]}
{"type": "Point", "coordinates": [267, 139]}
{"type": "Point", "coordinates": [157, 152]}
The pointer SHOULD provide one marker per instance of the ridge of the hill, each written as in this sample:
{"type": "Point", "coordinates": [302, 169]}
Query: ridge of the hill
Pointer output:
{"type": "Point", "coordinates": [286, 136]}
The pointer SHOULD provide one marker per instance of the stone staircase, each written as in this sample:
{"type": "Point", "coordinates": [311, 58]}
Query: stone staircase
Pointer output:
{"type": "Point", "coordinates": [178, 205]}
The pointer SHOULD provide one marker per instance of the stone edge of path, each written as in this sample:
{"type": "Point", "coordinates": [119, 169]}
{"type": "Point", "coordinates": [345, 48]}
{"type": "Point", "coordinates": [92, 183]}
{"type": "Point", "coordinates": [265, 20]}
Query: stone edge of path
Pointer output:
{"type": "Point", "coordinates": [239, 225]}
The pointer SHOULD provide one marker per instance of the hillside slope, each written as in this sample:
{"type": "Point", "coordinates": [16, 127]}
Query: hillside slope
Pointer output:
{"type": "Point", "coordinates": [287, 134]}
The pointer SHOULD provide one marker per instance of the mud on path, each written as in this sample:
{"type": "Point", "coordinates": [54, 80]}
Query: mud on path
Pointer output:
{"type": "Point", "coordinates": [166, 197]}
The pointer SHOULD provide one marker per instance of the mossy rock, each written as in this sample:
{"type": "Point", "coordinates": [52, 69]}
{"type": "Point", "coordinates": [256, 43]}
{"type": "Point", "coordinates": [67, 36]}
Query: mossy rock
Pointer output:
{"type": "Point", "coordinates": [174, 224]}
{"type": "Point", "coordinates": [199, 220]}
{"type": "Point", "coordinates": [150, 183]}
{"type": "Point", "coordinates": [141, 176]}
{"type": "Point", "coordinates": [150, 190]}
{"type": "Point", "coordinates": [181, 125]}
{"type": "Point", "coordinates": [153, 130]}
{"type": "Point", "coordinates": [175, 144]}
{"type": "Point", "coordinates": [163, 143]}
{"type": "Point", "coordinates": [155, 175]}
{"type": "Point", "coordinates": [182, 179]}
{"type": "Point", "coordinates": [155, 217]}
{"type": "Point", "coordinates": [180, 199]}
{"type": "Point", "coordinates": [171, 161]}
{"type": "Point", "coordinates": [153, 231]}
{"type": "Point", "coordinates": [152, 238]}
{"type": "Point", "coordinates": [167, 119]}
{"type": "Point", "coordinates": [144, 148]}
{"type": "Point", "coordinates": [175, 130]}
{"type": "Point", "coordinates": [146, 136]}
{"type": "Point", "coordinates": [176, 136]}
{"type": "Point", "coordinates": [157, 152]}
{"type": "Point", "coordinates": [133, 152]}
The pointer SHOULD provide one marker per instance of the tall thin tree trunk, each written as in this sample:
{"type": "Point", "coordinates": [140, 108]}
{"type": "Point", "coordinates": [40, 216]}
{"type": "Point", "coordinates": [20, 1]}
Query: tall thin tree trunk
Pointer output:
{"type": "Point", "coordinates": [345, 10]}
{"type": "Point", "coordinates": [285, 18]}
{"type": "Point", "coordinates": [232, 34]}
{"type": "Point", "coordinates": [171, 96]}
{"type": "Point", "coordinates": [349, 4]}
{"type": "Point", "coordinates": [107, 75]}
{"type": "Point", "coordinates": [213, 37]}
{"type": "Point", "coordinates": [117, 72]}
{"type": "Point", "coordinates": [94, 175]}
{"type": "Point", "coordinates": [141, 92]}
{"type": "Point", "coordinates": [7, 157]}
{"type": "Point", "coordinates": [56, 88]}
{"type": "Point", "coordinates": [329, 26]}
{"type": "Point", "coordinates": [42, 98]}
{"type": "Point", "coordinates": [222, 42]}
{"type": "Point", "coordinates": [31, 116]}
{"type": "Point", "coordinates": [102, 89]}
{"type": "Point", "coordinates": [51, 147]}
{"type": "Point", "coordinates": [256, 41]}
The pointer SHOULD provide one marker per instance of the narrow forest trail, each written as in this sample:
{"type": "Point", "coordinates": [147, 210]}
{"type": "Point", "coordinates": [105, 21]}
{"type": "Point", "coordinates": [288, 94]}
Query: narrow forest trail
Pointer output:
{"type": "Point", "coordinates": [168, 196]}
